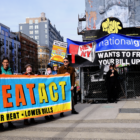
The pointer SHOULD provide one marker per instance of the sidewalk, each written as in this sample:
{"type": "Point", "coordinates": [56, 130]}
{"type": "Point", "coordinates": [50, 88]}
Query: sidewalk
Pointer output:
{"type": "Point", "coordinates": [94, 122]}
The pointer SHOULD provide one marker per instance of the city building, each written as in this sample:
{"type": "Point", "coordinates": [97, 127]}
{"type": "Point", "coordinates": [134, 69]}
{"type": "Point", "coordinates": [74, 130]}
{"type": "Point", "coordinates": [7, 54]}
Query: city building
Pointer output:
{"type": "Point", "coordinates": [29, 52]}
{"type": "Point", "coordinates": [44, 32]}
{"type": "Point", "coordinates": [43, 58]}
{"type": "Point", "coordinates": [10, 47]}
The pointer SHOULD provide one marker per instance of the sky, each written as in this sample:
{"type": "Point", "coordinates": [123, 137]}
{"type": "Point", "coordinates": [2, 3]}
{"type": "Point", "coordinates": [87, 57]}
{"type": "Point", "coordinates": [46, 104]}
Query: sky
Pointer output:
{"type": "Point", "coordinates": [62, 13]}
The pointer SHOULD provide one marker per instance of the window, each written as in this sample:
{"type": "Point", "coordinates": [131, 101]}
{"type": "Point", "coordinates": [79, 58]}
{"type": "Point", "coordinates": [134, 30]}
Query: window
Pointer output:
{"type": "Point", "coordinates": [20, 27]}
{"type": "Point", "coordinates": [36, 26]}
{"type": "Point", "coordinates": [2, 32]}
{"type": "Point", "coordinates": [7, 52]}
{"type": "Point", "coordinates": [6, 34]}
{"type": "Point", "coordinates": [30, 27]}
{"type": "Point", "coordinates": [30, 22]}
{"type": "Point", "coordinates": [31, 37]}
{"type": "Point", "coordinates": [10, 44]}
{"type": "Point", "coordinates": [14, 45]}
{"type": "Point", "coordinates": [36, 37]}
{"type": "Point", "coordinates": [45, 25]}
{"type": "Point", "coordinates": [36, 21]}
{"type": "Point", "coordinates": [15, 53]}
{"type": "Point", "coordinates": [31, 32]}
{"type": "Point", "coordinates": [46, 36]}
{"type": "Point", "coordinates": [45, 30]}
{"type": "Point", "coordinates": [6, 43]}
{"type": "Point", "coordinates": [36, 32]}
{"type": "Point", "coordinates": [37, 42]}
{"type": "Point", "coordinates": [3, 41]}
{"type": "Point", "coordinates": [46, 42]}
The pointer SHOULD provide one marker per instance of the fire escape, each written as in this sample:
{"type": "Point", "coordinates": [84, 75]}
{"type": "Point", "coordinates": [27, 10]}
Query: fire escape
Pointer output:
{"type": "Point", "coordinates": [81, 29]}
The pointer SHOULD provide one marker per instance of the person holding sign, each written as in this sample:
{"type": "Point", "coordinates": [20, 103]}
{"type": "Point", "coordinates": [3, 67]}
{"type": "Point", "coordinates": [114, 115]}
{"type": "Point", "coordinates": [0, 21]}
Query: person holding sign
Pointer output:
{"type": "Point", "coordinates": [29, 72]}
{"type": "Point", "coordinates": [6, 70]}
{"type": "Point", "coordinates": [66, 69]}
{"type": "Point", "coordinates": [55, 69]}
{"type": "Point", "coordinates": [112, 84]}
{"type": "Point", "coordinates": [49, 72]}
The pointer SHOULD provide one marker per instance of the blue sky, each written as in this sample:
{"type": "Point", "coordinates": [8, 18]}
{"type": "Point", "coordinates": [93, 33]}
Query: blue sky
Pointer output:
{"type": "Point", "coordinates": [62, 13]}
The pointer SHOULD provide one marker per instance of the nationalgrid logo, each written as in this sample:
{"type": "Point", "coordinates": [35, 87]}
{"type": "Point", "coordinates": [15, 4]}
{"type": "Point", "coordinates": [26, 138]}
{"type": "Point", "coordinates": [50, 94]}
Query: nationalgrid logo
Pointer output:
{"type": "Point", "coordinates": [118, 42]}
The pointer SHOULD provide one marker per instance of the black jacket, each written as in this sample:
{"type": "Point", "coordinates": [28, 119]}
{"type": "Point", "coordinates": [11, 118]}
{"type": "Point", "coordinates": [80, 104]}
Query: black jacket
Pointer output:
{"type": "Point", "coordinates": [112, 80]}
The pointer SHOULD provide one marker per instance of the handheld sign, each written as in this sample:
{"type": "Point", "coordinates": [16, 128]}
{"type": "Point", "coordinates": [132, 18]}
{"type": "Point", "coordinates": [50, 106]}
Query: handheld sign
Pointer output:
{"type": "Point", "coordinates": [58, 51]}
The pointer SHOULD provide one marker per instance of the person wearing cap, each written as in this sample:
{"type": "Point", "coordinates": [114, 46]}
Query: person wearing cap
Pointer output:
{"type": "Point", "coordinates": [67, 69]}
{"type": "Point", "coordinates": [112, 84]}
{"type": "Point", "coordinates": [55, 69]}
{"type": "Point", "coordinates": [6, 70]}
{"type": "Point", "coordinates": [28, 68]}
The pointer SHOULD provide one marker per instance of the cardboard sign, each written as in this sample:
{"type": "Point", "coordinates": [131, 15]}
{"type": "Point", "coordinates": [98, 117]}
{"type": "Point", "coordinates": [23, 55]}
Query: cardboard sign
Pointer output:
{"type": "Point", "coordinates": [58, 51]}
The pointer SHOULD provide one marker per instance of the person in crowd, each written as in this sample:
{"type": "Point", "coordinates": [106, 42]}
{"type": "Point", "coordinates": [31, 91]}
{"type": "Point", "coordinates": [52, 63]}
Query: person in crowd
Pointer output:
{"type": "Point", "coordinates": [66, 68]}
{"type": "Point", "coordinates": [55, 69]}
{"type": "Point", "coordinates": [6, 70]}
{"type": "Point", "coordinates": [112, 84]}
{"type": "Point", "coordinates": [28, 68]}
{"type": "Point", "coordinates": [49, 72]}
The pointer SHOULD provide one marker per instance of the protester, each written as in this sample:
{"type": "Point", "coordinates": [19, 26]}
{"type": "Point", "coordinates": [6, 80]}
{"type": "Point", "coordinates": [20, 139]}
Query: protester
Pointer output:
{"type": "Point", "coordinates": [28, 68]}
{"type": "Point", "coordinates": [55, 69]}
{"type": "Point", "coordinates": [6, 70]}
{"type": "Point", "coordinates": [49, 72]}
{"type": "Point", "coordinates": [112, 84]}
{"type": "Point", "coordinates": [64, 70]}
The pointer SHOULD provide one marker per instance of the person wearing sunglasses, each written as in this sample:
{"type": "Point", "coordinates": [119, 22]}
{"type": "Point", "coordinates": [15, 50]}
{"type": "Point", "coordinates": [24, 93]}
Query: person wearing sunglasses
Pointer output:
{"type": "Point", "coordinates": [66, 69]}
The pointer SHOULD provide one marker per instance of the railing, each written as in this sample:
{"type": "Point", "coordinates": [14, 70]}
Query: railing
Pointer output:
{"type": "Point", "coordinates": [82, 17]}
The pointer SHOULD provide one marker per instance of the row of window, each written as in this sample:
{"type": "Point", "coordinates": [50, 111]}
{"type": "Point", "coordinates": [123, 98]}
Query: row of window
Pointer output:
{"type": "Point", "coordinates": [4, 33]}
{"type": "Point", "coordinates": [36, 31]}
{"type": "Point", "coordinates": [37, 37]}
{"type": "Point", "coordinates": [10, 43]}
{"type": "Point", "coordinates": [33, 27]}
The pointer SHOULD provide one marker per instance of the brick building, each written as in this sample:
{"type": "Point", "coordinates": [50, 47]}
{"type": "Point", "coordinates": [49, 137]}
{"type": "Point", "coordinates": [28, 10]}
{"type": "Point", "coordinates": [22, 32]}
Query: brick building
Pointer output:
{"type": "Point", "coordinates": [29, 52]}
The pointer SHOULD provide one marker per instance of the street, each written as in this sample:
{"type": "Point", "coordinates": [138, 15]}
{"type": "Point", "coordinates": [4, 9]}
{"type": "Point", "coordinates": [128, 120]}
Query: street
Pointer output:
{"type": "Point", "coordinates": [94, 121]}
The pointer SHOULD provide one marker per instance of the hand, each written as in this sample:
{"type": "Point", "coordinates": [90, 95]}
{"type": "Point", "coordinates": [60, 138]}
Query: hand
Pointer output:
{"type": "Point", "coordinates": [113, 71]}
{"type": "Point", "coordinates": [72, 88]}
{"type": "Point", "coordinates": [3, 74]}
{"type": "Point", "coordinates": [36, 74]}
{"type": "Point", "coordinates": [66, 73]}
{"type": "Point", "coordinates": [111, 75]}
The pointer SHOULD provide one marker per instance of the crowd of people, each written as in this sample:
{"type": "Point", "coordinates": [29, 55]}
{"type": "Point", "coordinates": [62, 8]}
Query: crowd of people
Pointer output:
{"type": "Point", "coordinates": [51, 70]}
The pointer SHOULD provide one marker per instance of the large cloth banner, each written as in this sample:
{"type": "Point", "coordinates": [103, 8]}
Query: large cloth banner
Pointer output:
{"type": "Point", "coordinates": [23, 97]}
{"type": "Point", "coordinates": [111, 49]}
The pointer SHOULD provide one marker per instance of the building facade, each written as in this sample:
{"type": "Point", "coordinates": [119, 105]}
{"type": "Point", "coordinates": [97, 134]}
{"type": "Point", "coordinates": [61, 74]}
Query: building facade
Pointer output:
{"type": "Point", "coordinates": [29, 52]}
{"type": "Point", "coordinates": [10, 47]}
{"type": "Point", "coordinates": [43, 32]}
{"type": "Point", "coordinates": [43, 57]}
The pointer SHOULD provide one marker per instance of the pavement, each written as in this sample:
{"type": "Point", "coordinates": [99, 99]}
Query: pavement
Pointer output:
{"type": "Point", "coordinates": [100, 121]}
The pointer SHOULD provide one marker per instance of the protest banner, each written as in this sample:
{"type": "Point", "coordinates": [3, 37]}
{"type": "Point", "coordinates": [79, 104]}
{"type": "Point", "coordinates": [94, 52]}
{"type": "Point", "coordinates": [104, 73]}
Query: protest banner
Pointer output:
{"type": "Point", "coordinates": [111, 49]}
{"type": "Point", "coordinates": [58, 51]}
{"type": "Point", "coordinates": [23, 97]}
